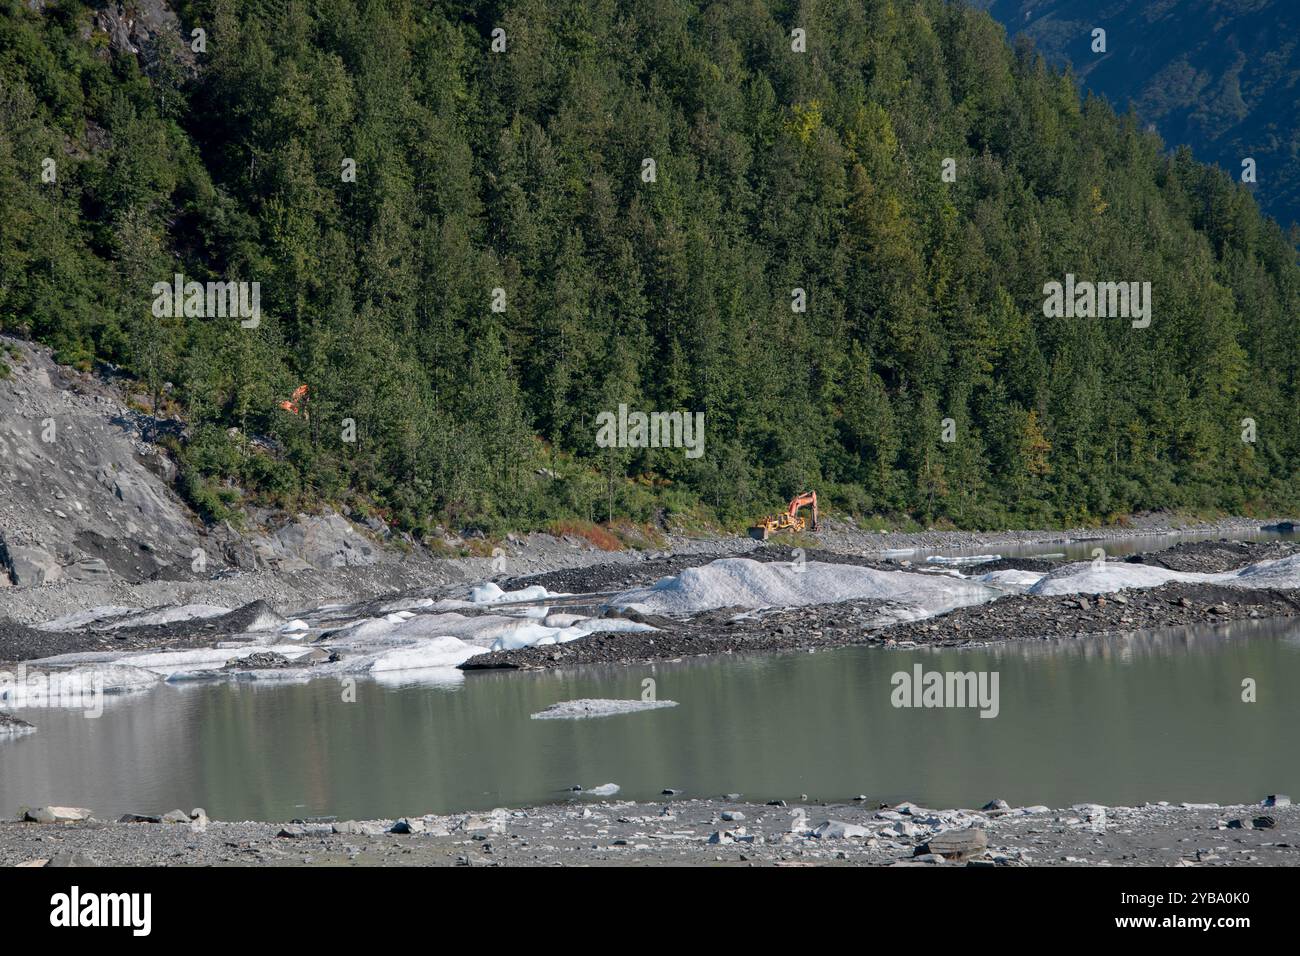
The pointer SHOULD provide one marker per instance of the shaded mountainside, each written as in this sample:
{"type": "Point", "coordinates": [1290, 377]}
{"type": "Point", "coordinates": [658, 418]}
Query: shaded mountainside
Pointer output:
{"type": "Point", "coordinates": [1222, 76]}
{"type": "Point", "coordinates": [526, 171]}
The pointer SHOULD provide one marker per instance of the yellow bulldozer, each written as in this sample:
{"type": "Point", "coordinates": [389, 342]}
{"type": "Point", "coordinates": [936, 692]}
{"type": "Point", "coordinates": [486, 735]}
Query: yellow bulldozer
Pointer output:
{"type": "Point", "coordinates": [788, 520]}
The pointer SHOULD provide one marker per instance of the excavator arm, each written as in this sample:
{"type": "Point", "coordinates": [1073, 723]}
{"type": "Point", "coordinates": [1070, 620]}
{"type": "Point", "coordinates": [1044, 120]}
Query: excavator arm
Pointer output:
{"type": "Point", "coordinates": [800, 501]}
{"type": "Point", "coordinates": [788, 520]}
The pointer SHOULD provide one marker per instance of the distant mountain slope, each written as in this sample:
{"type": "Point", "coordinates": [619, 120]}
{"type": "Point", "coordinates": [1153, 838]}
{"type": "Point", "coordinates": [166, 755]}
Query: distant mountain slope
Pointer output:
{"type": "Point", "coordinates": [1222, 76]}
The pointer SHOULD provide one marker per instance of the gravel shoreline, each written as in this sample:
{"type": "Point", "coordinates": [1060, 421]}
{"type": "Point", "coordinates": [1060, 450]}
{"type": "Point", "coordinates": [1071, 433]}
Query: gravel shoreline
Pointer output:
{"type": "Point", "coordinates": [694, 832]}
{"type": "Point", "coordinates": [1016, 617]}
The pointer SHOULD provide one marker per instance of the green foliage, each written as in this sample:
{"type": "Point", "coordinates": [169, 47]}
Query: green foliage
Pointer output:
{"type": "Point", "coordinates": [522, 171]}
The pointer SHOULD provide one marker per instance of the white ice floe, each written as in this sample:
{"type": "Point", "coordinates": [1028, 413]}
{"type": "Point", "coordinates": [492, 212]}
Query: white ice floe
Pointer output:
{"type": "Point", "coordinates": [1279, 573]}
{"type": "Point", "coordinates": [1105, 578]}
{"type": "Point", "coordinates": [962, 559]}
{"type": "Point", "coordinates": [1010, 579]}
{"type": "Point", "coordinates": [532, 635]}
{"type": "Point", "coordinates": [436, 652]}
{"type": "Point", "coordinates": [486, 631]}
{"type": "Point", "coordinates": [297, 625]}
{"type": "Point", "coordinates": [592, 707]}
{"type": "Point", "coordinates": [1110, 576]}
{"type": "Point", "coordinates": [740, 582]}
{"type": "Point", "coordinates": [489, 593]}
{"type": "Point", "coordinates": [75, 686]}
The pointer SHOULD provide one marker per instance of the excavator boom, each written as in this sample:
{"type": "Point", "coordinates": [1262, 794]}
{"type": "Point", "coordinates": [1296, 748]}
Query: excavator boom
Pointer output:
{"type": "Point", "coordinates": [788, 520]}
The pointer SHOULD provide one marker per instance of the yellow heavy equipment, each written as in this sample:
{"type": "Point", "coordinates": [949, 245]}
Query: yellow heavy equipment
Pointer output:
{"type": "Point", "coordinates": [788, 520]}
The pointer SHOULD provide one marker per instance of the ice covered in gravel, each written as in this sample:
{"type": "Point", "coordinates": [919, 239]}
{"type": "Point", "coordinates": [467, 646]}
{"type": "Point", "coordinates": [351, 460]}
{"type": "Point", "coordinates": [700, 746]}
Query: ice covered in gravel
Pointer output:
{"type": "Point", "coordinates": [1279, 573]}
{"type": "Point", "coordinates": [93, 615]}
{"type": "Point", "coordinates": [112, 617]}
{"type": "Point", "coordinates": [740, 582]}
{"type": "Point", "coordinates": [595, 707]}
{"type": "Point", "coordinates": [1095, 578]}
{"type": "Point", "coordinates": [1105, 578]}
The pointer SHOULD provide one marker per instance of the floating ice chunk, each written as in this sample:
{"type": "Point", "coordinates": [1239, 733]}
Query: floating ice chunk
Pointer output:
{"type": "Point", "coordinates": [432, 652]}
{"type": "Point", "coordinates": [73, 687]}
{"type": "Point", "coordinates": [962, 559]}
{"type": "Point", "coordinates": [295, 626]}
{"type": "Point", "coordinates": [420, 677]}
{"type": "Point", "coordinates": [180, 664]}
{"type": "Point", "coordinates": [604, 790]}
{"type": "Point", "coordinates": [579, 709]}
{"type": "Point", "coordinates": [529, 635]}
{"type": "Point", "coordinates": [122, 678]}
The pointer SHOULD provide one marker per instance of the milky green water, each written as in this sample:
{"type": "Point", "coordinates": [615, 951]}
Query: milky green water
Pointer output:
{"type": "Point", "coordinates": [1115, 721]}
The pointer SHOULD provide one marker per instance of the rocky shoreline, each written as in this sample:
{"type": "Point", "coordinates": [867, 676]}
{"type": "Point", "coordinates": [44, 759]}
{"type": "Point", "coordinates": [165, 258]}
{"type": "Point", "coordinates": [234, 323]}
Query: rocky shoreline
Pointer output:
{"type": "Point", "coordinates": [680, 831]}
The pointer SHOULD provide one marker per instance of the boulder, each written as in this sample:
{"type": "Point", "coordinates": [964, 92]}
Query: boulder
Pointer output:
{"type": "Point", "coordinates": [29, 566]}
{"type": "Point", "coordinates": [296, 831]}
{"type": "Point", "coordinates": [955, 844]}
{"type": "Point", "coordinates": [839, 830]}
{"type": "Point", "coordinates": [359, 828]}
{"type": "Point", "coordinates": [88, 571]}
{"type": "Point", "coordinates": [72, 858]}
{"type": "Point", "coordinates": [56, 815]}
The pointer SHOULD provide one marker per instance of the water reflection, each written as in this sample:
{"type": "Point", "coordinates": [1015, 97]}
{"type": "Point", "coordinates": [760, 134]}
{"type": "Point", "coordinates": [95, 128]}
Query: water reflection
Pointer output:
{"type": "Point", "coordinates": [1155, 715]}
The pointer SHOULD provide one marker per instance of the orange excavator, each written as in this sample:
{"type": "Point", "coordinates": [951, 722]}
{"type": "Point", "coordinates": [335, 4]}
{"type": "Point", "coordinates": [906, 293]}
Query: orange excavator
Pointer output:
{"type": "Point", "coordinates": [296, 401]}
{"type": "Point", "coordinates": [788, 520]}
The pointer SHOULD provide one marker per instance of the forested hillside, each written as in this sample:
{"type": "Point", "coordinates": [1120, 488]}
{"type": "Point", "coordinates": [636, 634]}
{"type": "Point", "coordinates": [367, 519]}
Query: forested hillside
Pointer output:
{"type": "Point", "coordinates": [1222, 76]}
{"type": "Point", "coordinates": [524, 170]}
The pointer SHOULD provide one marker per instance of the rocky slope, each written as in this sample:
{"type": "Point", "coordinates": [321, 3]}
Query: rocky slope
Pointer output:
{"type": "Point", "coordinates": [86, 493]}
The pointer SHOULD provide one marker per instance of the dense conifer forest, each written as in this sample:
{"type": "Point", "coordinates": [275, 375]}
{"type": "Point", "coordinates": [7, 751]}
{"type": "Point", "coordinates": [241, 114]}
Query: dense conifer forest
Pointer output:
{"type": "Point", "coordinates": [914, 174]}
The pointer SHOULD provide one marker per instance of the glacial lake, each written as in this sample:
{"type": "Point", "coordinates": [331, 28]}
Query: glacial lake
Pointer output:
{"type": "Point", "coordinates": [1122, 720]}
